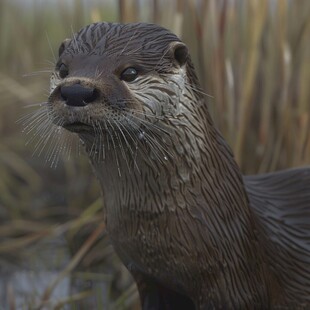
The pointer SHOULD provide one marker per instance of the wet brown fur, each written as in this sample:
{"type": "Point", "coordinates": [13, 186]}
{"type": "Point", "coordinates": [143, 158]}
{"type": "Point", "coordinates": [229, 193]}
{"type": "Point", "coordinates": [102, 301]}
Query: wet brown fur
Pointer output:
{"type": "Point", "coordinates": [193, 232]}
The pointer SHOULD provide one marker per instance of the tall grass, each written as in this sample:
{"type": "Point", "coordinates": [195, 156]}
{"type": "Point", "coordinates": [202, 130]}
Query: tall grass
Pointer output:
{"type": "Point", "coordinates": [252, 58]}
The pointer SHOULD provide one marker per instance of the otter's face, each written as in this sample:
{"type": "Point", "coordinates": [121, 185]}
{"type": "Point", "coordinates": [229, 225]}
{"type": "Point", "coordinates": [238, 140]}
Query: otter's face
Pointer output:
{"type": "Point", "coordinates": [118, 78]}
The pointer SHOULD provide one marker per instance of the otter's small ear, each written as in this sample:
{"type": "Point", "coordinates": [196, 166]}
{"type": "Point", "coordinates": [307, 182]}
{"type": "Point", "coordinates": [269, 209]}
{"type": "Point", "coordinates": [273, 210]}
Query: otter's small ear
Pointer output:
{"type": "Point", "coordinates": [179, 52]}
{"type": "Point", "coordinates": [63, 46]}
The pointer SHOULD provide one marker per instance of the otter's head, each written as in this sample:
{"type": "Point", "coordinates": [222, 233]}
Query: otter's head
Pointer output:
{"type": "Point", "coordinates": [115, 81]}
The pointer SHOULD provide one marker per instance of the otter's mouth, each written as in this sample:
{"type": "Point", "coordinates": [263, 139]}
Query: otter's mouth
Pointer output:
{"type": "Point", "coordinates": [78, 127]}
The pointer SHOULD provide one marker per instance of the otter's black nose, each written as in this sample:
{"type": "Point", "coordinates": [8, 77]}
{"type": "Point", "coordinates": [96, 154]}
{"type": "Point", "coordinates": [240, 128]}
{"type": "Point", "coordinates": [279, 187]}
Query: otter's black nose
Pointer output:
{"type": "Point", "coordinates": [76, 95]}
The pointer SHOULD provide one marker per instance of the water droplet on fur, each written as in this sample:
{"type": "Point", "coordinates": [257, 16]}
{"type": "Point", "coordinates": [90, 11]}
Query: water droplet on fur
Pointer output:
{"type": "Point", "coordinates": [141, 135]}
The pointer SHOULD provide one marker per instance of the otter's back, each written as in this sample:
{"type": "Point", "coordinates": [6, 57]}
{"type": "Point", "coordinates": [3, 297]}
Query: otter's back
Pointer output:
{"type": "Point", "coordinates": [281, 201]}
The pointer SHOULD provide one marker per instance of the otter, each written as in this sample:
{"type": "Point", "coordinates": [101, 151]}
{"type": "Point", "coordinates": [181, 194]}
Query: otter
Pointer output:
{"type": "Point", "coordinates": [193, 232]}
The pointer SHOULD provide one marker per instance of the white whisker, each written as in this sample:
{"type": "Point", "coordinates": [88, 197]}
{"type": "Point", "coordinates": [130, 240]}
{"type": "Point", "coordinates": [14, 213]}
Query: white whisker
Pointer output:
{"type": "Point", "coordinates": [198, 90]}
{"type": "Point", "coordinates": [36, 73]}
{"type": "Point", "coordinates": [114, 148]}
{"type": "Point", "coordinates": [50, 45]}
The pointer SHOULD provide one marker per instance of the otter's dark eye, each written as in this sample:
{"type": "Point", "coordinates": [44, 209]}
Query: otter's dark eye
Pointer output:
{"type": "Point", "coordinates": [129, 74]}
{"type": "Point", "coordinates": [63, 71]}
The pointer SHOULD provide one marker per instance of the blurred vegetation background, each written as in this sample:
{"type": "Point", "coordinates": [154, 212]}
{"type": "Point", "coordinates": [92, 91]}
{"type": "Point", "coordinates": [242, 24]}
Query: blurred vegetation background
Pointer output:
{"type": "Point", "coordinates": [252, 57]}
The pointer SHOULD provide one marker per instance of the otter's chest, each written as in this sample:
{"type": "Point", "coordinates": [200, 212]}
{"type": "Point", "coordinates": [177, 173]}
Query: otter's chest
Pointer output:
{"type": "Point", "coordinates": [146, 243]}
{"type": "Point", "coordinates": [139, 235]}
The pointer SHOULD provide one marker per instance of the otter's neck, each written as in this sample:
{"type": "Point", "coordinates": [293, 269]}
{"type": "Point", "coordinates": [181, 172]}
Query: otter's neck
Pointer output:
{"type": "Point", "coordinates": [193, 161]}
{"type": "Point", "coordinates": [198, 183]}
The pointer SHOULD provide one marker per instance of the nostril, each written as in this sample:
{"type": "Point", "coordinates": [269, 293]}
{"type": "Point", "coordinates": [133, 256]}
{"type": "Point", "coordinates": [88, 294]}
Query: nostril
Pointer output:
{"type": "Point", "coordinates": [92, 96]}
{"type": "Point", "coordinates": [77, 95]}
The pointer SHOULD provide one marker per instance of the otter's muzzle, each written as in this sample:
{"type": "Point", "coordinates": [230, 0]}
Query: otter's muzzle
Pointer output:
{"type": "Point", "coordinates": [77, 96]}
